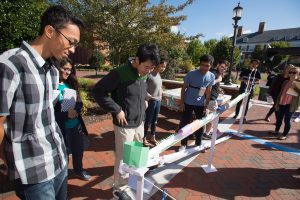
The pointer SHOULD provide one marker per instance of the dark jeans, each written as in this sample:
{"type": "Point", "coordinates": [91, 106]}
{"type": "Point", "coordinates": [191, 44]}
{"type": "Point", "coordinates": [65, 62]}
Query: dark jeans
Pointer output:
{"type": "Point", "coordinates": [151, 116]}
{"type": "Point", "coordinates": [187, 118]}
{"type": "Point", "coordinates": [238, 105]}
{"type": "Point", "coordinates": [273, 107]}
{"type": "Point", "coordinates": [75, 146]}
{"type": "Point", "coordinates": [55, 188]}
{"type": "Point", "coordinates": [283, 113]}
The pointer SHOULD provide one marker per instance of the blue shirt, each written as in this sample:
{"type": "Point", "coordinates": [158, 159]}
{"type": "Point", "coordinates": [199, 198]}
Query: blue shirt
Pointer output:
{"type": "Point", "coordinates": [195, 80]}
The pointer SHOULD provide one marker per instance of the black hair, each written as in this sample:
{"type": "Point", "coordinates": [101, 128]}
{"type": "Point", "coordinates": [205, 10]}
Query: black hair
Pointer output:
{"type": "Point", "coordinates": [72, 80]}
{"type": "Point", "coordinates": [58, 17]}
{"type": "Point", "coordinates": [164, 57]}
{"type": "Point", "coordinates": [207, 58]}
{"type": "Point", "coordinates": [147, 52]}
{"type": "Point", "coordinates": [255, 60]}
{"type": "Point", "coordinates": [223, 62]}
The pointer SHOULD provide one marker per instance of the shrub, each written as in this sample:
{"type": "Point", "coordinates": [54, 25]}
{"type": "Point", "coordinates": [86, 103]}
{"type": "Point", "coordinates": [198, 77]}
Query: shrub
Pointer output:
{"type": "Point", "coordinates": [186, 65]}
{"type": "Point", "coordinates": [87, 103]}
{"type": "Point", "coordinates": [106, 68]}
{"type": "Point", "coordinates": [86, 84]}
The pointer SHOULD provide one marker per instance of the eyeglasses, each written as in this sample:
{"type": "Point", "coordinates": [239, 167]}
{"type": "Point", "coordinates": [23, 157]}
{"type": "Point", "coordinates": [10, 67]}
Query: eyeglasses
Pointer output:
{"type": "Point", "coordinates": [292, 72]}
{"type": "Point", "coordinates": [71, 43]}
{"type": "Point", "coordinates": [66, 69]}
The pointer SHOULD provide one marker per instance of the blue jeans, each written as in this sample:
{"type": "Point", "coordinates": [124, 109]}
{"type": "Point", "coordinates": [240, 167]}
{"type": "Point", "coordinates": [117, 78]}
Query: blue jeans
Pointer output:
{"type": "Point", "coordinates": [283, 113]}
{"type": "Point", "coordinates": [187, 117]}
{"type": "Point", "coordinates": [54, 189]}
{"type": "Point", "coordinates": [151, 116]}
{"type": "Point", "coordinates": [74, 143]}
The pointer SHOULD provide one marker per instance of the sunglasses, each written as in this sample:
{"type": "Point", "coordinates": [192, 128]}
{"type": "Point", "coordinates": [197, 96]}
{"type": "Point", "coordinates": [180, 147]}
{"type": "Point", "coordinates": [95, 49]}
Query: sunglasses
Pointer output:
{"type": "Point", "coordinates": [292, 72]}
{"type": "Point", "coordinates": [71, 43]}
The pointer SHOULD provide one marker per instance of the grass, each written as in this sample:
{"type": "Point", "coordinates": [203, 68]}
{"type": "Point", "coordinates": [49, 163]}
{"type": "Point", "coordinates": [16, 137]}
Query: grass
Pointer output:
{"type": "Point", "coordinates": [264, 76]}
{"type": "Point", "coordinates": [178, 79]}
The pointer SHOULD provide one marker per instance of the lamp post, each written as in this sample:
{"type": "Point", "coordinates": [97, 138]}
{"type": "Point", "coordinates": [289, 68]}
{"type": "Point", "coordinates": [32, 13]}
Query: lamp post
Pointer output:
{"type": "Point", "coordinates": [237, 15]}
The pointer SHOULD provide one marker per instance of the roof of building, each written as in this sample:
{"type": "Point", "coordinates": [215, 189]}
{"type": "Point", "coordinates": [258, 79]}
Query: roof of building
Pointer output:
{"type": "Point", "coordinates": [290, 34]}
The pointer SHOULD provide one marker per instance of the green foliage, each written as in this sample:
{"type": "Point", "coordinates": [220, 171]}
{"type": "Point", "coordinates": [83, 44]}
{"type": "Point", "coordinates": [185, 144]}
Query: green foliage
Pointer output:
{"type": "Point", "coordinates": [222, 51]}
{"type": "Point", "coordinates": [195, 49]}
{"type": "Point", "coordinates": [277, 59]}
{"type": "Point", "coordinates": [19, 20]}
{"type": "Point", "coordinates": [126, 24]}
{"type": "Point", "coordinates": [210, 45]}
{"type": "Point", "coordinates": [260, 54]}
{"type": "Point", "coordinates": [86, 84]}
{"type": "Point", "coordinates": [87, 103]}
{"type": "Point", "coordinates": [96, 60]}
{"type": "Point", "coordinates": [169, 73]}
{"type": "Point", "coordinates": [256, 91]}
{"type": "Point", "coordinates": [186, 65]}
{"type": "Point", "coordinates": [107, 68]}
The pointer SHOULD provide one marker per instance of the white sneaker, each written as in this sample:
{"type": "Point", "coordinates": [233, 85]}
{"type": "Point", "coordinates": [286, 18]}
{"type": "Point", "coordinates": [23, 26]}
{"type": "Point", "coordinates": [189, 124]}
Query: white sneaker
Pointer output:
{"type": "Point", "coordinates": [182, 148]}
{"type": "Point", "coordinates": [297, 119]}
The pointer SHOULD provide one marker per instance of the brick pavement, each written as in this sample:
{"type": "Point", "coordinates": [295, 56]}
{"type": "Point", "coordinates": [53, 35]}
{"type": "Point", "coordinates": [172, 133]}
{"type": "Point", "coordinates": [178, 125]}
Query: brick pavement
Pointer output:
{"type": "Point", "coordinates": [246, 170]}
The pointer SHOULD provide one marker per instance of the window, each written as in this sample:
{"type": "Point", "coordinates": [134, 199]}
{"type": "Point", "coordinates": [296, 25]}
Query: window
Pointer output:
{"type": "Point", "coordinates": [245, 39]}
{"type": "Point", "coordinates": [287, 37]}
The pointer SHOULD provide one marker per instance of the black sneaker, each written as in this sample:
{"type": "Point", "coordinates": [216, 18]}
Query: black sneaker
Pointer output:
{"type": "Point", "coordinates": [206, 137]}
{"type": "Point", "coordinates": [83, 176]}
{"type": "Point", "coordinates": [121, 195]}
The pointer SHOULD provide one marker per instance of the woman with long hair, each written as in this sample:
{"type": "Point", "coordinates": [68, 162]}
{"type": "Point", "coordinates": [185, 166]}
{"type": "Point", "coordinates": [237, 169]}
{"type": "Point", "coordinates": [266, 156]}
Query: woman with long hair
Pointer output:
{"type": "Point", "coordinates": [287, 103]}
{"type": "Point", "coordinates": [275, 89]}
{"type": "Point", "coordinates": [67, 115]}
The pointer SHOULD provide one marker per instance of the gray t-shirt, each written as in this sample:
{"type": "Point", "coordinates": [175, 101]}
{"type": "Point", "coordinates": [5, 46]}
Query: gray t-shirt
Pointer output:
{"type": "Point", "coordinates": [195, 81]}
{"type": "Point", "coordinates": [154, 83]}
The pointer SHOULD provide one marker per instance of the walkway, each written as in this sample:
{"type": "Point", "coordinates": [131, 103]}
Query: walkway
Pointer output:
{"type": "Point", "coordinates": [246, 169]}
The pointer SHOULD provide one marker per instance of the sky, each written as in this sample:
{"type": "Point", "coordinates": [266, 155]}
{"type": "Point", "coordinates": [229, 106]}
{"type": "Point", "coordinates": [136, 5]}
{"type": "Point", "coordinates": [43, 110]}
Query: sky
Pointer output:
{"type": "Point", "coordinates": [213, 18]}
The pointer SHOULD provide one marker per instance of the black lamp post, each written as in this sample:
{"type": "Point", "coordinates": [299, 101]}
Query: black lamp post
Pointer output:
{"type": "Point", "coordinates": [237, 15]}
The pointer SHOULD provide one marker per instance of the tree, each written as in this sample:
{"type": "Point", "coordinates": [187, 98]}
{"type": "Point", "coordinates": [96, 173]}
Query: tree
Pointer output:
{"type": "Point", "coordinates": [19, 20]}
{"type": "Point", "coordinates": [125, 24]}
{"type": "Point", "coordinates": [276, 60]}
{"type": "Point", "coordinates": [96, 60]}
{"type": "Point", "coordinates": [169, 73]}
{"type": "Point", "coordinates": [260, 54]}
{"type": "Point", "coordinates": [210, 45]}
{"type": "Point", "coordinates": [195, 49]}
{"type": "Point", "coordinates": [222, 51]}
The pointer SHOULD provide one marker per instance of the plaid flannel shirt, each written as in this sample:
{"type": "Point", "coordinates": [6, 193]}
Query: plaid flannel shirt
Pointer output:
{"type": "Point", "coordinates": [33, 142]}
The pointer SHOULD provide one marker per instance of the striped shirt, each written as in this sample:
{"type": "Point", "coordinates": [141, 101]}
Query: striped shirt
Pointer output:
{"type": "Point", "coordinates": [33, 142]}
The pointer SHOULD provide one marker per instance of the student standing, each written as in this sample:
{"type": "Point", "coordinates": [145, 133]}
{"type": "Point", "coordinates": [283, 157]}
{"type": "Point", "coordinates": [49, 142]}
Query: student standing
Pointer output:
{"type": "Point", "coordinates": [154, 95]}
{"type": "Point", "coordinates": [34, 147]}
{"type": "Point", "coordinates": [69, 119]}
{"type": "Point", "coordinates": [195, 96]}
{"type": "Point", "coordinates": [123, 93]}
{"type": "Point", "coordinates": [249, 76]}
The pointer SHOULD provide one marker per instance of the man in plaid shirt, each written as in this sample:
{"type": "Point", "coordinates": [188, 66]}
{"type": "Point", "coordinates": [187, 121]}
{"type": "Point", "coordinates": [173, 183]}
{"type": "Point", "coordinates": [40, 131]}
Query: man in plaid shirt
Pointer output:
{"type": "Point", "coordinates": [30, 139]}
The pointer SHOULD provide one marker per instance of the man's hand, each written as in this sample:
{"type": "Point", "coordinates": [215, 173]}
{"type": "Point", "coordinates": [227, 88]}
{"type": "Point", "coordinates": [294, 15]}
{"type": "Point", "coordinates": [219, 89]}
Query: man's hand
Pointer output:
{"type": "Point", "coordinates": [3, 162]}
{"type": "Point", "coordinates": [181, 106]}
{"type": "Point", "coordinates": [121, 118]}
{"type": "Point", "coordinates": [72, 114]}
